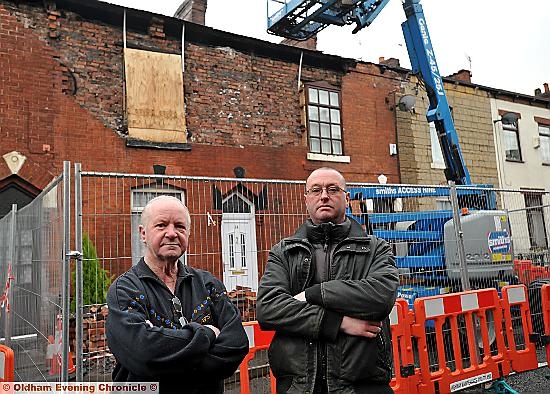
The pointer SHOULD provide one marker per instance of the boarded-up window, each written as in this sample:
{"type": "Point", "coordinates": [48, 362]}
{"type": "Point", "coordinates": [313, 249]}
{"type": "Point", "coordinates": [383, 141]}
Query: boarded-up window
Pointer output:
{"type": "Point", "coordinates": [154, 96]}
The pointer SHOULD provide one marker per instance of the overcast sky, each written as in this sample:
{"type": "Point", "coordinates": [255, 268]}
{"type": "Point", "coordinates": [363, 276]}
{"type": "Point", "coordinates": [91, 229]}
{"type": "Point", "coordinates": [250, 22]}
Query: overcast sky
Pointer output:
{"type": "Point", "coordinates": [505, 43]}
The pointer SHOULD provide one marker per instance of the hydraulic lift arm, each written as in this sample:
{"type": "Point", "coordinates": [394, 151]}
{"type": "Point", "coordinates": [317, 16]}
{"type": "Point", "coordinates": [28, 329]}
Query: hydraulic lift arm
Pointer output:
{"type": "Point", "coordinates": [301, 19]}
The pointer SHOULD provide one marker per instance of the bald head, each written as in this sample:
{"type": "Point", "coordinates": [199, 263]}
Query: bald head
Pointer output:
{"type": "Point", "coordinates": [340, 177]}
{"type": "Point", "coordinates": [160, 201]}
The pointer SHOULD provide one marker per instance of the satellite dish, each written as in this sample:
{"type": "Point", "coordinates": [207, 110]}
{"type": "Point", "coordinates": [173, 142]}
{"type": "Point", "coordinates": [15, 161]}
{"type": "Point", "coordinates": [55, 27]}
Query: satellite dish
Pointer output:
{"type": "Point", "coordinates": [406, 102]}
{"type": "Point", "coordinates": [509, 118]}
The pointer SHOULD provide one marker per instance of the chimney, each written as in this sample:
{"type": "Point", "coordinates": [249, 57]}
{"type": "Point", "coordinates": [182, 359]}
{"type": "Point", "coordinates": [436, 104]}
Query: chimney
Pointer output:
{"type": "Point", "coordinates": [545, 94]}
{"type": "Point", "coordinates": [192, 11]}
{"type": "Point", "coordinates": [310, 43]}
{"type": "Point", "coordinates": [462, 75]}
{"type": "Point", "coordinates": [391, 62]}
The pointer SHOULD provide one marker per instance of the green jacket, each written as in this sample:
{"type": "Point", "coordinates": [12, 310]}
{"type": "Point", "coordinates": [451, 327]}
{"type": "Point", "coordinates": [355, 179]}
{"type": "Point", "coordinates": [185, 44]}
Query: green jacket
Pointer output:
{"type": "Point", "coordinates": [362, 283]}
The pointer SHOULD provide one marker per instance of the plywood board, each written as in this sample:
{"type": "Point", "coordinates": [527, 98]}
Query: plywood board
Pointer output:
{"type": "Point", "coordinates": [154, 96]}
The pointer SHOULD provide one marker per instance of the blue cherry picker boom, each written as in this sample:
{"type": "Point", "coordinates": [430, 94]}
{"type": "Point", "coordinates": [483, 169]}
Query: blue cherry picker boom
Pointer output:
{"type": "Point", "coordinates": [431, 261]}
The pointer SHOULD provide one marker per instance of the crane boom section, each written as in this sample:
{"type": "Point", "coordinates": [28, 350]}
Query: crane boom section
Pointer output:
{"type": "Point", "coordinates": [302, 19]}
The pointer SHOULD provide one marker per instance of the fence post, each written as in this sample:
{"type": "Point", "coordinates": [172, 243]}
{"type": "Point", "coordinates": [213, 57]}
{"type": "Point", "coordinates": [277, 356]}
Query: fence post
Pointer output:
{"type": "Point", "coordinates": [459, 234]}
{"type": "Point", "coordinates": [66, 280]}
{"type": "Point", "coordinates": [78, 274]}
{"type": "Point", "coordinates": [13, 256]}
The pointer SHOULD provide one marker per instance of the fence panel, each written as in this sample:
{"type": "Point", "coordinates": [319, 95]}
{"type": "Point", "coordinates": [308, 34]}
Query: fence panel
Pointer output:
{"type": "Point", "coordinates": [36, 289]}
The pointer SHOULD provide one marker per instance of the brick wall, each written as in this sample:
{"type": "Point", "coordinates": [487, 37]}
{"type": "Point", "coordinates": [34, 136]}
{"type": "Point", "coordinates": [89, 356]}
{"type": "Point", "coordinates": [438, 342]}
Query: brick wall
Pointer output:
{"type": "Point", "coordinates": [472, 119]}
{"type": "Point", "coordinates": [69, 96]}
{"type": "Point", "coordinates": [62, 99]}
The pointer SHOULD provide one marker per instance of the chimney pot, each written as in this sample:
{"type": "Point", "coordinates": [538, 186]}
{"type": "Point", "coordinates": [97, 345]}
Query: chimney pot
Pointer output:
{"type": "Point", "coordinates": [546, 87]}
{"type": "Point", "coordinates": [192, 11]}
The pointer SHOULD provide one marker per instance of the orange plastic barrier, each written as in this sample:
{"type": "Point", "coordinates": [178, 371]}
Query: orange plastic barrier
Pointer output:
{"type": "Point", "coordinates": [471, 309]}
{"type": "Point", "coordinates": [54, 351]}
{"type": "Point", "coordinates": [528, 272]}
{"type": "Point", "coordinates": [407, 377]}
{"type": "Point", "coordinates": [521, 359]}
{"type": "Point", "coordinates": [8, 370]}
{"type": "Point", "coordinates": [545, 298]}
{"type": "Point", "coordinates": [257, 340]}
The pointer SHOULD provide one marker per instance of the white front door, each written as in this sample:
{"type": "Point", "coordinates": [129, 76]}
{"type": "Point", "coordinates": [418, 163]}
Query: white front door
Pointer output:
{"type": "Point", "coordinates": [239, 251]}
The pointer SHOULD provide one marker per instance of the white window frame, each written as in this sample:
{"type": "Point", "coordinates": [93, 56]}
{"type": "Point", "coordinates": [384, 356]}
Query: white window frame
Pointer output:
{"type": "Point", "coordinates": [544, 140]}
{"type": "Point", "coordinates": [324, 115]}
{"type": "Point", "coordinates": [509, 130]}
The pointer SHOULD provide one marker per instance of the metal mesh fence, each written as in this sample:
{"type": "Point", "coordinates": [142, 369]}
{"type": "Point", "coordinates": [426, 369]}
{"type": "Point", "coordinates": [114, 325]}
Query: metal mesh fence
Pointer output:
{"type": "Point", "coordinates": [33, 326]}
{"type": "Point", "coordinates": [502, 238]}
{"type": "Point", "coordinates": [236, 221]}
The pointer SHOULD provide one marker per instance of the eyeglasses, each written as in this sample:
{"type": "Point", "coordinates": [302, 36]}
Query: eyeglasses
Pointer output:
{"type": "Point", "coordinates": [177, 306]}
{"type": "Point", "coordinates": [318, 190]}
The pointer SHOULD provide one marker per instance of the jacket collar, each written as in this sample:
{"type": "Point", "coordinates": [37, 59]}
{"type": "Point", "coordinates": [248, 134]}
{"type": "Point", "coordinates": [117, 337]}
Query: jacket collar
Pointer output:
{"type": "Point", "coordinates": [355, 232]}
{"type": "Point", "coordinates": [143, 271]}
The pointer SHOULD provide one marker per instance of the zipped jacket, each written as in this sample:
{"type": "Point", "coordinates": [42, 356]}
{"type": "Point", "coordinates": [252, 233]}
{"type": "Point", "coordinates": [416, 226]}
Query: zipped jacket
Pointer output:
{"type": "Point", "coordinates": [150, 344]}
{"type": "Point", "coordinates": [362, 283]}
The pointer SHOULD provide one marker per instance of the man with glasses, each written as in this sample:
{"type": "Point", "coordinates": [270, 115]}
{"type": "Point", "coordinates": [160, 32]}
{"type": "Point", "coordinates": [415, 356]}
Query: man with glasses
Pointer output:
{"type": "Point", "coordinates": [327, 292]}
{"type": "Point", "coordinates": [170, 323]}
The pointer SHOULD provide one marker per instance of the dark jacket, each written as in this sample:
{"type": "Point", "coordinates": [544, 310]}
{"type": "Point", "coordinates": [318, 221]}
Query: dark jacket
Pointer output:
{"type": "Point", "coordinates": [188, 359]}
{"type": "Point", "coordinates": [362, 283]}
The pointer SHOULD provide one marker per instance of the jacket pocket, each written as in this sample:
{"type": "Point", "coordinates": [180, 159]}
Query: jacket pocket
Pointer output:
{"type": "Point", "coordinates": [288, 355]}
{"type": "Point", "coordinates": [358, 359]}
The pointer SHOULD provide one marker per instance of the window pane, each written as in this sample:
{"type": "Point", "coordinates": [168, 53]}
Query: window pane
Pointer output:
{"type": "Point", "coordinates": [511, 145]}
{"type": "Point", "coordinates": [243, 251]}
{"type": "Point", "coordinates": [510, 140]}
{"type": "Point", "coordinates": [314, 129]}
{"type": "Point", "coordinates": [336, 132]}
{"type": "Point", "coordinates": [545, 149]}
{"type": "Point", "coordinates": [315, 145]}
{"type": "Point", "coordinates": [323, 97]}
{"type": "Point", "coordinates": [325, 130]}
{"type": "Point", "coordinates": [325, 147]}
{"type": "Point", "coordinates": [324, 114]}
{"type": "Point", "coordinates": [334, 99]}
{"type": "Point", "coordinates": [313, 113]}
{"type": "Point", "coordinates": [231, 252]}
{"type": "Point", "coordinates": [313, 96]}
{"type": "Point", "coordinates": [334, 116]}
{"type": "Point", "coordinates": [337, 147]}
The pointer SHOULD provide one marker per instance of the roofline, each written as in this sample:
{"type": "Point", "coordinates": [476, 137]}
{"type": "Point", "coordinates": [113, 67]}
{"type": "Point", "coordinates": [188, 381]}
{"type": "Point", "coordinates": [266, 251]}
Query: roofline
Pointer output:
{"type": "Point", "coordinates": [113, 14]}
{"type": "Point", "coordinates": [136, 19]}
{"type": "Point", "coordinates": [494, 91]}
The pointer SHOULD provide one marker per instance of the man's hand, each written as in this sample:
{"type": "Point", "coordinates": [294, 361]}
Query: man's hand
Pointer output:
{"type": "Point", "coordinates": [213, 328]}
{"type": "Point", "coordinates": [360, 328]}
{"type": "Point", "coordinates": [301, 296]}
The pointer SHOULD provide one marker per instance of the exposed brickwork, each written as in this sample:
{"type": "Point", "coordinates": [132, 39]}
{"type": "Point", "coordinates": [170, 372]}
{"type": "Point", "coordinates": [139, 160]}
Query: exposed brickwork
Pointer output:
{"type": "Point", "coordinates": [241, 108]}
{"type": "Point", "coordinates": [310, 43]}
{"type": "Point", "coordinates": [192, 11]}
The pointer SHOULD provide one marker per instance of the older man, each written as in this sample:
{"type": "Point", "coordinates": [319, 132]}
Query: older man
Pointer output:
{"type": "Point", "coordinates": [327, 292]}
{"type": "Point", "coordinates": [168, 322]}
